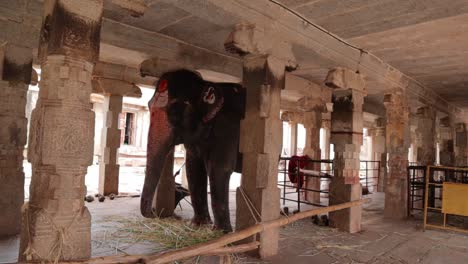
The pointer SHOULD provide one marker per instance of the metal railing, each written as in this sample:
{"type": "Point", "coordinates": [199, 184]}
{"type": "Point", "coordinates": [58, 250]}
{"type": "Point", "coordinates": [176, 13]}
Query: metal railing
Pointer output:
{"type": "Point", "coordinates": [293, 180]}
{"type": "Point", "coordinates": [416, 189]}
{"type": "Point", "coordinates": [369, 174]}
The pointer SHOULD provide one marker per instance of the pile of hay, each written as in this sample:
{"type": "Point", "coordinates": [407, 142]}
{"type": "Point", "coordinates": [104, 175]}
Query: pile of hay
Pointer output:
{"type": "Point", "coordinates": [170, 233]}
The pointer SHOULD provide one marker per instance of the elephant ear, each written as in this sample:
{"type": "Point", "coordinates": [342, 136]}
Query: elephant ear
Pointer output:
{"type": "Point", "coordinates": [211, 101]}
{"type": "Point", "coordinates": [160, 97]}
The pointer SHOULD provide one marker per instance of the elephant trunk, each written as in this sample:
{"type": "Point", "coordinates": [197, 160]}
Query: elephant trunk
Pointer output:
{"type": "Point", "coordinates": [160, 142]}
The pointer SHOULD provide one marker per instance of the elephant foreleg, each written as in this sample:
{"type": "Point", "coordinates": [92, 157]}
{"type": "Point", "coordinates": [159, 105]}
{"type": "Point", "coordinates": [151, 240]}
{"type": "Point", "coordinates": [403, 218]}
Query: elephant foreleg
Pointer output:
{"type": "Point", "coordinates": [219, 186]}
{"type": "Point", "coordinates": [197, 181]}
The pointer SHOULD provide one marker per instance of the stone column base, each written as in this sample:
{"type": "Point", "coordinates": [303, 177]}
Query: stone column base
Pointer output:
{"type": "Point", "coordinates": [396, 197]}
{"type": "Point", "coordinates": [109, 178]}
{"type": "Point", "coordinates": [50, 237]}
{"type": "Point", "coordinates": [348, 220]}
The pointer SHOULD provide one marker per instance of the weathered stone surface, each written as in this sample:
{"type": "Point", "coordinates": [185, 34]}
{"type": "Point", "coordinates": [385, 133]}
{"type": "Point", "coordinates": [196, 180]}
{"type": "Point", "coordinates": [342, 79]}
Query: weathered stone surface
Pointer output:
{"type": "Point", "coordinates": [108, 164]}
{"type": "Point", "coordinates": [121, 88]}
{"type": "Point", "coordinates": [15, 75]}
{"type": "Point", "coordinates": [425, 131]}
{"type": "Point", "coordinates": [447, 148]}
{"type": "Point", "coordinates": [346, 135]}
{"type": "Point", "coordinates": [60, 150]}
{"type": "Point", "coordinates": [56, 224]}
{"type": "Point", "coordinates": [260, 144]}
{"type": "Point", "coordinates": [312, 123]}
{"type": "Point", "coordinates": [12, 140]}
{"type": "Point", "coordinates": [461, 147]}
{"type": "Point", "coordinates": [397, 139]}
{"type": "Point", "coordinates": [379, 151]}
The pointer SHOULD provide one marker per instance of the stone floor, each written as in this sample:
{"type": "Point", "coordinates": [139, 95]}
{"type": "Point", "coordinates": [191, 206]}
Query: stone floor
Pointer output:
{"type": "Point", "coordinates": [381, 241]}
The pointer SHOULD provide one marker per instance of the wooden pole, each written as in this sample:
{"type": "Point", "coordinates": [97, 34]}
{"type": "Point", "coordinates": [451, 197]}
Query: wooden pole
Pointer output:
{"type": "Point", "coordinates": [214, 247]}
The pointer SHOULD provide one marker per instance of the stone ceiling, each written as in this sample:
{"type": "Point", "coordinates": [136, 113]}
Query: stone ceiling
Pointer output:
{"type": "Point", "coordinates": [424, 39]}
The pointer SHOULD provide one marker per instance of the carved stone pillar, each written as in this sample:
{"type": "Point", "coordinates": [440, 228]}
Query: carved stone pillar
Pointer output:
{"type": "Point", "coordinates": [425, 131]}
{"type": "Point", "coordinates": [397, 138]}
{"type": "Point", "coordinates": [346, 136]}
{"type": "Point", "coordinates": [56, 224]}
{"type": "Point", "coordinates": [113, 91]}
{"type": "Point", "coordinates": [15, 75]}
{"type": "Point", "coordinates": [312, 121]}
{"type": "Point", "coordinates": [447, 148]}
{"type": "Point", "coordinates": [461, 146]}
{"type": "Point", "coordinates": [260, 133]}
{"type": "Point", "coordinates": [379, 150]}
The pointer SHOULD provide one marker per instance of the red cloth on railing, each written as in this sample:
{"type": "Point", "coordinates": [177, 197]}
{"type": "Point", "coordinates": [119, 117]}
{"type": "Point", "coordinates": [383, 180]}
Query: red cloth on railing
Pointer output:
{"type": "Point", "coordinates": [293, 174]}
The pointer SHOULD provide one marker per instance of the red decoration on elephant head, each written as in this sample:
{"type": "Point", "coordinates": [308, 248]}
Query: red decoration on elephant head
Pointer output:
{"type": "Point", "coordinates": [162, 87]}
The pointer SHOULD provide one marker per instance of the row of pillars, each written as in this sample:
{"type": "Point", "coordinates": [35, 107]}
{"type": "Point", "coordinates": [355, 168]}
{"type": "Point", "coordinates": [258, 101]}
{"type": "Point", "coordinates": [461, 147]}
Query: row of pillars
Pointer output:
{"type": "Point", "coordinates": [62, 128]}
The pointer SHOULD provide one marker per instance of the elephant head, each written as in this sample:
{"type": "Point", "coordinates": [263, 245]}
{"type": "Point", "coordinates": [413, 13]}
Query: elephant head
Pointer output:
{"type": "Point", "coordinates": [183, 102]}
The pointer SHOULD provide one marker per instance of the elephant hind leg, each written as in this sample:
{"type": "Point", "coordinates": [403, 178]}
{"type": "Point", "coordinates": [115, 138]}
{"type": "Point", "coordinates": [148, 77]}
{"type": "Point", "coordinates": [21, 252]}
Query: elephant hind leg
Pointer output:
{"type": "Point", "coordinates": [198, 181]}
{"type": "Point", "coordinates": [219, 186]}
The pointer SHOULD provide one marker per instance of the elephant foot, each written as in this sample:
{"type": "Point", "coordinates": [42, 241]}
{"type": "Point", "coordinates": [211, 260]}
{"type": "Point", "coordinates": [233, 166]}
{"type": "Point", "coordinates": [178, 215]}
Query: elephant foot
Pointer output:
{"type": "Point", "coordinates": [146, 209]}
{"type": "Point", "coordinates": [226, 229]}
{"type": "Point", "coordinates": [200, 221]}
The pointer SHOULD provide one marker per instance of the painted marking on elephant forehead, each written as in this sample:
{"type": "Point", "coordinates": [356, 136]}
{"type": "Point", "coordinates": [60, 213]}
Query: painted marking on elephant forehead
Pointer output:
{"type": "Point", "coordinates": [209, 96]}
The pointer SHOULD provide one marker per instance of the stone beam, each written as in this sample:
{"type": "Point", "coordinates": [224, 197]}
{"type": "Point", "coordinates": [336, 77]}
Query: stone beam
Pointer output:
{"type": "Point", "coordinates": [123, 73]}
{"type": "Point", "coordinates": [120, 88]}
{"type": "Point", "coordinates": [156, 45]}
{"type": "Point", "coordinates": [329, 50]}
{"type": "Point", "coordinates": [136, 8]}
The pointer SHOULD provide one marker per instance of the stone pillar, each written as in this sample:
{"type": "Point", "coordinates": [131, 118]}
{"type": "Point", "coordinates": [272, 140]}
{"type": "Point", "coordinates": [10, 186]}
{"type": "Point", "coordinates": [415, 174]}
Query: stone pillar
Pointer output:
{"type": "Point", "coordinates": [312, 123]}
{"type": "Point", "coordinates": [447, 149]}
{"type": "Point", "coordinates": [326, 126]}
{"type": "Point", "coordinates": [108, 164]}
{"type": "Point", "coordinates": [56, 224]}
{"type": "Point", "coordinates": [260, 143]}
{"type": "Point", "coordinates": [461, 146]}
{"type": "Point", "coordinates": [15, 75]}
{"type": "Point", "coordinates": [414, 139]}
{"type": "Point", "coordinates": [293, 144]}
{"type": "Point", "coordinates": [261, 129]}
{"type": "Point", "coordinates": [379, 150]}
{"type": "Point", "coordinates": [346, 135]}
{"type": "Point", "coordinates": [397, 139]}
{"type": "Point", "coordinates": [113, 91]}
{"type": "Point", "coordinates": [425, 132]}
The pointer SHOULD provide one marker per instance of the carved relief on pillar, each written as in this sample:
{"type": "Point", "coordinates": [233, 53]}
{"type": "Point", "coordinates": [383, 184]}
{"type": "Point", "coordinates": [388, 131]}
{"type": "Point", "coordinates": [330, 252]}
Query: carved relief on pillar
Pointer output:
{"type": "Point", "coordinates": [60, 150]}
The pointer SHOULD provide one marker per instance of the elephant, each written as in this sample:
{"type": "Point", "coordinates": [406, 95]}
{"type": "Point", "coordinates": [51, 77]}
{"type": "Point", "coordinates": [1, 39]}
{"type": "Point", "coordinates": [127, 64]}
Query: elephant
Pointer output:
{"type": "Point", "coordinates": [205, 117]}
